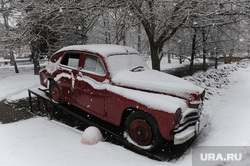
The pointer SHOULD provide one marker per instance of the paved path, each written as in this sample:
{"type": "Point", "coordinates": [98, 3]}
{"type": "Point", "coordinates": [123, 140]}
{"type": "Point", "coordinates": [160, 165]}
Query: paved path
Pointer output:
{"type": "Point", "coordinates": [8, 114]}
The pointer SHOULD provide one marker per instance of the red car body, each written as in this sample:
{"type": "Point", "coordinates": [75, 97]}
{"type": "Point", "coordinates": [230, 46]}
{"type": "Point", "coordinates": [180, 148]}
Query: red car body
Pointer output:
{"type": "Point", "coordinates": [111, 82]}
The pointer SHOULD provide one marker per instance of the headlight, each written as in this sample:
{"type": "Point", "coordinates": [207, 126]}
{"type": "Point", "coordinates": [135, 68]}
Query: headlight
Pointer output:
{"type": "Point", "coordinates": [203, 95]}
{"type": "Point", "coordinates": [177, 118]}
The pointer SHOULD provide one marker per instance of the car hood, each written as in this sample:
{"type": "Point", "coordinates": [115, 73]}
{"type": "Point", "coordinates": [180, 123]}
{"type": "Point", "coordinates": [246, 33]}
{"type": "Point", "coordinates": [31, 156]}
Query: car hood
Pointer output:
{"type": "Point", "coordinates": [157, 82]}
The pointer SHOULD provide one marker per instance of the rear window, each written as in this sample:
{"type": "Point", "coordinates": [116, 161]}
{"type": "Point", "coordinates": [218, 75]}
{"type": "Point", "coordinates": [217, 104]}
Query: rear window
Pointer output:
{"type": "Point", "coordinates": [71, 60]}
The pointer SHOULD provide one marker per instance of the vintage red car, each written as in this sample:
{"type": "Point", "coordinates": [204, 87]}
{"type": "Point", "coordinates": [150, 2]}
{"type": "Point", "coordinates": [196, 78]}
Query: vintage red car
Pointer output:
{"type": "Point", "coordinates": [114, 84]}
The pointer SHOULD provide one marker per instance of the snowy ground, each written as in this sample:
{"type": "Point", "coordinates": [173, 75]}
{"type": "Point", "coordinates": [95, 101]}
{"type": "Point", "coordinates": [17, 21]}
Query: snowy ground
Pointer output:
{"type": "Point", "coordinates": [40, 142]}
{"type": "Point", "coordinates": [174, 63]}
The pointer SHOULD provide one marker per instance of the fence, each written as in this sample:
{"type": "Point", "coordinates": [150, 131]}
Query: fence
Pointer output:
{"type": "Point", "coordinates": [7, 62]}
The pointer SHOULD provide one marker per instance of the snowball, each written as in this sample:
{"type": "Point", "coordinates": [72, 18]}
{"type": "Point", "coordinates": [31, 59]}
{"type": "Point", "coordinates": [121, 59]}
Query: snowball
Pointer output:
{"type": "Point", "coordinates": [91, 136]}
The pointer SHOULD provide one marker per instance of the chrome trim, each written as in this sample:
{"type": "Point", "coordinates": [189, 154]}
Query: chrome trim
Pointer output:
{"type": "Point", "coordinates": [195, 102]}
{"type": "Point", "coordinates": [189, 118]}
{"type": "Point", "coordinates": [191, 131]}
{"type": "Point", "coordinates": [184, 136]}
{"type": "Point", "coordinates": [184, 126]}
{"type": "Point", "coordinates": [189, 111]}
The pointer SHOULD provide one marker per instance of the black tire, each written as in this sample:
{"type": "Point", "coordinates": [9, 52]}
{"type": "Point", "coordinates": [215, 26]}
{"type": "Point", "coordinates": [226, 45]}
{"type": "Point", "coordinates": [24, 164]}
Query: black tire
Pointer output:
{"type": "Point", "coordinates": [54, 90]}
{"type": "Point", "coordinates": [143, 129]}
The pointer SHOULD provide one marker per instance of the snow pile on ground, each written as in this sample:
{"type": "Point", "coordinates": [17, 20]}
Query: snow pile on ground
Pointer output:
{"type": "Point", "coordinates": [91, 136]}
{"type": "Point", "coordinates": [213, 80]}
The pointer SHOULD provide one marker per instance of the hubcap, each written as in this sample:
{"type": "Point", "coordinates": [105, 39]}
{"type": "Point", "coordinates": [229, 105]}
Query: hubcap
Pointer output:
{"type": "Point", "coordinates": [55, 93]}
{"type": "Point", "coordinates": [140, 132]}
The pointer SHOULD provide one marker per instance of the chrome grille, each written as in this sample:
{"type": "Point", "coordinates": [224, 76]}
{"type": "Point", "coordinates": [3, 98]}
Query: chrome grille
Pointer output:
{"type": "Point", "coordinates": [189, 118]}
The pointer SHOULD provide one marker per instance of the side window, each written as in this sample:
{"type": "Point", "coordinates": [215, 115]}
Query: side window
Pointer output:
{"type": "Point", "coordinates": [94, 65]}
{"type": "Point", "coordinates": [71, 59]}
{"type": "Point", "coordinates": [65, 60]}
{"type": "Point", "coordinates": [74, 60]}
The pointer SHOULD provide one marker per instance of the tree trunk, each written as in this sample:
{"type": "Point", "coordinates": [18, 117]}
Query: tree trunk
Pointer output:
{"type": "Point", "coordinates": [106, 27]}
{"type": "Point", "coordinates": [155, 57]}
{"type": "Point", "coordinates": [216, 62]}
{"type": "Point", "coordinates": [14, 61]}
{"type": "Point", "coordinates": [204, 51]}
{"type": "Point", "coordinates": [139, 47]}
{"type": "Point", "coordinates": [35, 51]}
{"type": "Point", "coordinates": [36, 62]}
{"type": "Point", "coordinates": [193, 53]}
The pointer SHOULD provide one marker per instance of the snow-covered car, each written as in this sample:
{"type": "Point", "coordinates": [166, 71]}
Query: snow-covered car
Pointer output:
{"type": "Point", "coordinates": [114, 84]}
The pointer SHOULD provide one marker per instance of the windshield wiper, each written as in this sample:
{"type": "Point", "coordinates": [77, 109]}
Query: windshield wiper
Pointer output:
{"type": "Point", "coordinates": [138, 68]}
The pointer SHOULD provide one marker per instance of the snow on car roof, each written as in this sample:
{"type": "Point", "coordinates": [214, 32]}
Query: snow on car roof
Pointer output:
{"type": "Point", "coordinates": [102, 49]}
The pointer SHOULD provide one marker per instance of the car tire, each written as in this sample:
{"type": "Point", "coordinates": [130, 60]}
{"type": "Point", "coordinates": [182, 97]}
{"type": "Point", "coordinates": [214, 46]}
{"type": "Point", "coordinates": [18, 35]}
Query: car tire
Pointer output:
{"type": "Point", "coordinates": [54, 91]}
{"type": "Point", "coordinates": [142, 129]}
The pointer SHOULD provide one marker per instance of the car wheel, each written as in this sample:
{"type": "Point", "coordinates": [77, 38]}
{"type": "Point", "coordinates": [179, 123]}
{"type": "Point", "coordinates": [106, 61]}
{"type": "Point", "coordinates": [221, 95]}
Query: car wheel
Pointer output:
{"type": "Point", "coordinates": [55, 92]}
{"type": "Point", "coordinates": [142, 129]}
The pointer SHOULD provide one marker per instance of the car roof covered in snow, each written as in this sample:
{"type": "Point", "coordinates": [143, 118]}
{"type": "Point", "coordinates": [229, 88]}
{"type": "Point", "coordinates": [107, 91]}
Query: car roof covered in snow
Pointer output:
{"type": "Point", "coordinates": [102, 49]}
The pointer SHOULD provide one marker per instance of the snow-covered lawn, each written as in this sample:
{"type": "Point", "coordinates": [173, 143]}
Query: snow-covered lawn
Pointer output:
{"type": "Point", "coordinates": [174, 63]}
{"type": "Point", "coordinates": [40, 142]}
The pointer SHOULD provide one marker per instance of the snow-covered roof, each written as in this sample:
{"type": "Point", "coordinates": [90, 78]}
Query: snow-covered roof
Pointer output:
{"type": "Point", "coordinates": [102, 49]}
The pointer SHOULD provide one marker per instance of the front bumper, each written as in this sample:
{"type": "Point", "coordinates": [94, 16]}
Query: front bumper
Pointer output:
{"type": "Point", "coordinates": [191, 131]}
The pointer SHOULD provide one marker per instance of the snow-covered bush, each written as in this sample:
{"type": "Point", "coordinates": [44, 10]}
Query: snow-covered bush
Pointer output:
{"type": "Point", "coordinates": [213, 80]}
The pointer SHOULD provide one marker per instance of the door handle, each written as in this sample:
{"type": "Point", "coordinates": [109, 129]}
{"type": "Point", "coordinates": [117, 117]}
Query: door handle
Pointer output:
{"type": "Point", "coordinates": [80, 74]}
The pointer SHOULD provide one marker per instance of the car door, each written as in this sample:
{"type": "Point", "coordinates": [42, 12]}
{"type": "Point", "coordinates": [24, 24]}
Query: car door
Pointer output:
{"type": "Point", "coordinates": [90, 85]}
{"type": "Point", "coordinates": [68, 70]}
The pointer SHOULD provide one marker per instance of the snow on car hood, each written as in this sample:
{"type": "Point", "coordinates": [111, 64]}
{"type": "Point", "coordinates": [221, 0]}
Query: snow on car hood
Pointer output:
{"type": "Point", "coordinates": [151, 100]}
{"type": "Point", "coordinates": [155, 81]}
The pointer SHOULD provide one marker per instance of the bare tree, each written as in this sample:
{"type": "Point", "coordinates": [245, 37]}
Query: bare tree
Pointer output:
{"type": "Point", "coordinates": [8, 37]}
{"type": "Point", "coordinates": [214, 29]}
{"type": "Point", "coordinates": [161, 20]}
{"type": "Point", "coordinates": [50, 25]}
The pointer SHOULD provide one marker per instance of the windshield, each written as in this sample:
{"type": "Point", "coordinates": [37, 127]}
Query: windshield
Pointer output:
{"type": "Point", "coordinates": [117, 63]}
